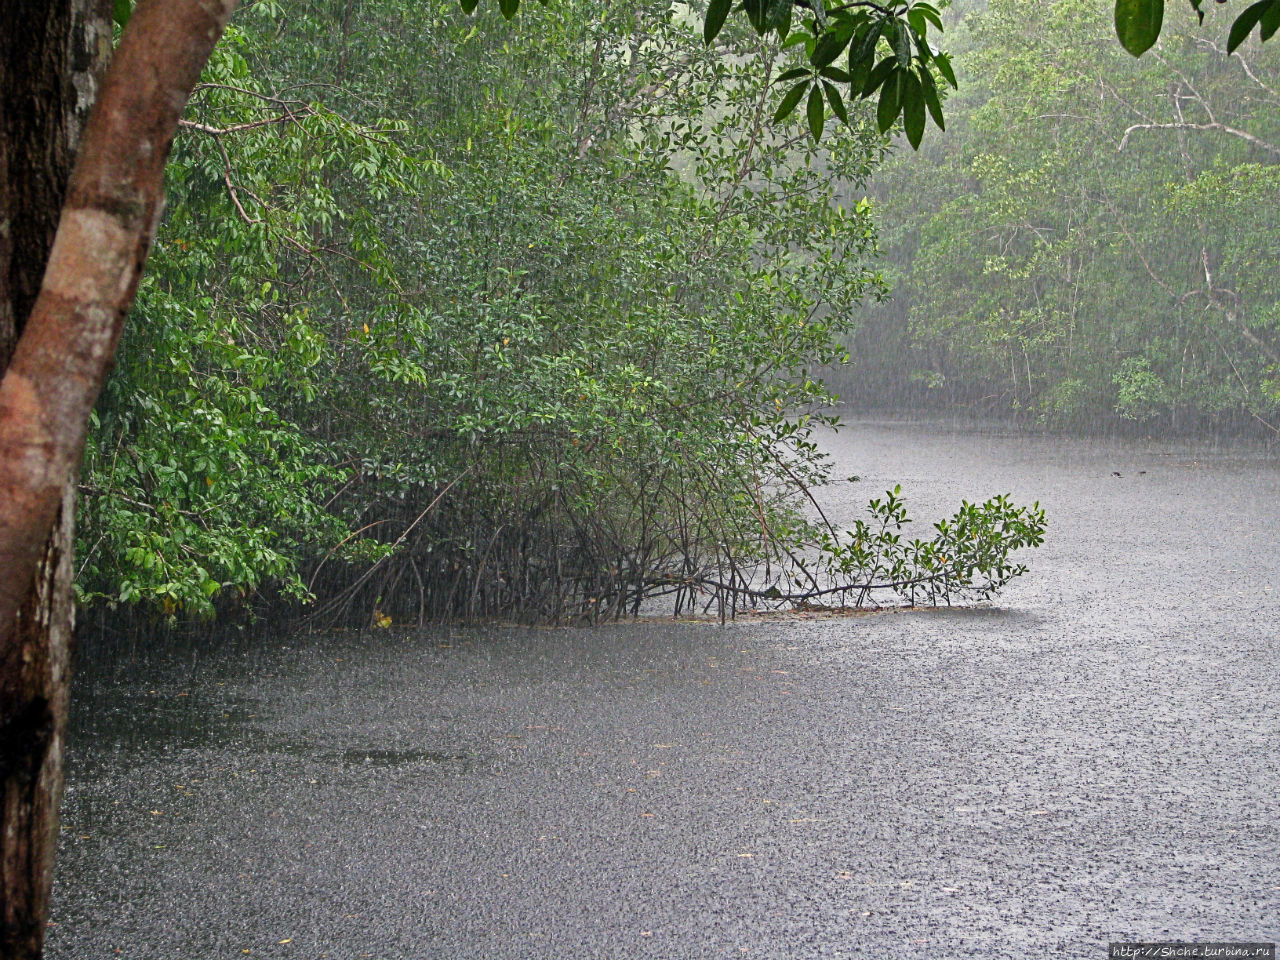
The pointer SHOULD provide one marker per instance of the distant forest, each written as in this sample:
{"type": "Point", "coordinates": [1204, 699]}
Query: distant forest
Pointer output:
{"type": "Point", "coordinates": [1093, 241]}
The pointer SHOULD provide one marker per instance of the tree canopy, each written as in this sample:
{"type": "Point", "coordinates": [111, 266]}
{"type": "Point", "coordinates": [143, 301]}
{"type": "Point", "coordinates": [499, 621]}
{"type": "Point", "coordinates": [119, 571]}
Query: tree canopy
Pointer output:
{"type": "Point", "coordinates": [1093, 244]}
{"type": "Point", "coordinates": [883, 50]}
{"type": "Point", "coordinates": [531, 336]}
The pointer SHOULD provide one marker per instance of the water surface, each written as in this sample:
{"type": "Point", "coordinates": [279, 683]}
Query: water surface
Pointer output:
{"type": "Point", "coordinates": [1094, 757]}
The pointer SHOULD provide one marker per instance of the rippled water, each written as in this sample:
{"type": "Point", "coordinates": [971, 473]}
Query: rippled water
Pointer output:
{"type": "Point", "coordinates": [1095, 757]}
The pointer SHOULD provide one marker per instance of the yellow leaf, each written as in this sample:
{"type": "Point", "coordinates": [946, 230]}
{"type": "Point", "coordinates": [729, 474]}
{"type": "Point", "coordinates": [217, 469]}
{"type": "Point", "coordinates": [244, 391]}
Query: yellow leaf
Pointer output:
{"type": "Point", "coordinates": [366, 328]}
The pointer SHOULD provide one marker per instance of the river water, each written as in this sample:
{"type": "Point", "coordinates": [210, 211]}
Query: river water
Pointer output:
{"type": "Point", "coordinates": [1093, 757]}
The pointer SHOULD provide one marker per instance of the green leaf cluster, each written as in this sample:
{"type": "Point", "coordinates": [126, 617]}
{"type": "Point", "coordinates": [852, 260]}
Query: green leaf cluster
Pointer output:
{"type": "Point", "coordinates": [969, 556]}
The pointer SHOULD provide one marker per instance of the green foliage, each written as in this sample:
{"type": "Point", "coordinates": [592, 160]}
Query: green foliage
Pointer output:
{"type": "Point", "coordinates": [520, 319]}
{"type": "Point", "coordinates": [1141, 393]}
{"type": "Point", "coordinates": [1138, 22]}
{"type": "Point", "coordinates": [882, 47]}
{"type": "Point", "coordinates": [889, 51]}
{"type": "Point", "coordinates": [1095, 243]}
{"type": "Point", "coordinates": [202, 483]}
{"type": "Point", "coordinates": [968, 557]}
{"type": "Point", "coordinates": [367, 322]}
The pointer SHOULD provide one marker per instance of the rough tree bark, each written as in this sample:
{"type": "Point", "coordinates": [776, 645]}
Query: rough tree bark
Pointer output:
{"type": "Point", "coordinates": [57, 338]}
{"type": "Point", "coordinates": [49, 69]}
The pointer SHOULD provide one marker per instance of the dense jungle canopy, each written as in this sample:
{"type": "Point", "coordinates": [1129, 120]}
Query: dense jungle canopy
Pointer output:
{"type": "Point", "coordinates": [1093, 239]}
{"type": "Point", "coordinates": [460, 317]}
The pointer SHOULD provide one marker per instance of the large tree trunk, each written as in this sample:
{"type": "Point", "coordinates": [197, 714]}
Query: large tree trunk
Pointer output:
{"type": "Point", "coordinates": [51, 58]}
{"type": "Point", "coordinates": [71, 253]}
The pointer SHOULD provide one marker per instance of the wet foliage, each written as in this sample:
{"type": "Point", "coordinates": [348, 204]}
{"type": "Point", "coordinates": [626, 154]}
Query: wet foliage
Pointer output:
{"type": "Point", "coordinates": [1089, 245]}
{"type": "Point", "coordinates": [454, 317]}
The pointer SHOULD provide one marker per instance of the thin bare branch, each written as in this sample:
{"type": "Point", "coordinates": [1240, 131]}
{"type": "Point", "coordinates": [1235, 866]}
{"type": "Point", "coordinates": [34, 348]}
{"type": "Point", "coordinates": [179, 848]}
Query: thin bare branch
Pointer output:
{"type": "Point", "coordinates": [1219, 127]}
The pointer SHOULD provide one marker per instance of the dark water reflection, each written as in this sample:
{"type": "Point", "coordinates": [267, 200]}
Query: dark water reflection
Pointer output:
{"type": "Point", "coordinates": [1095, 758]}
